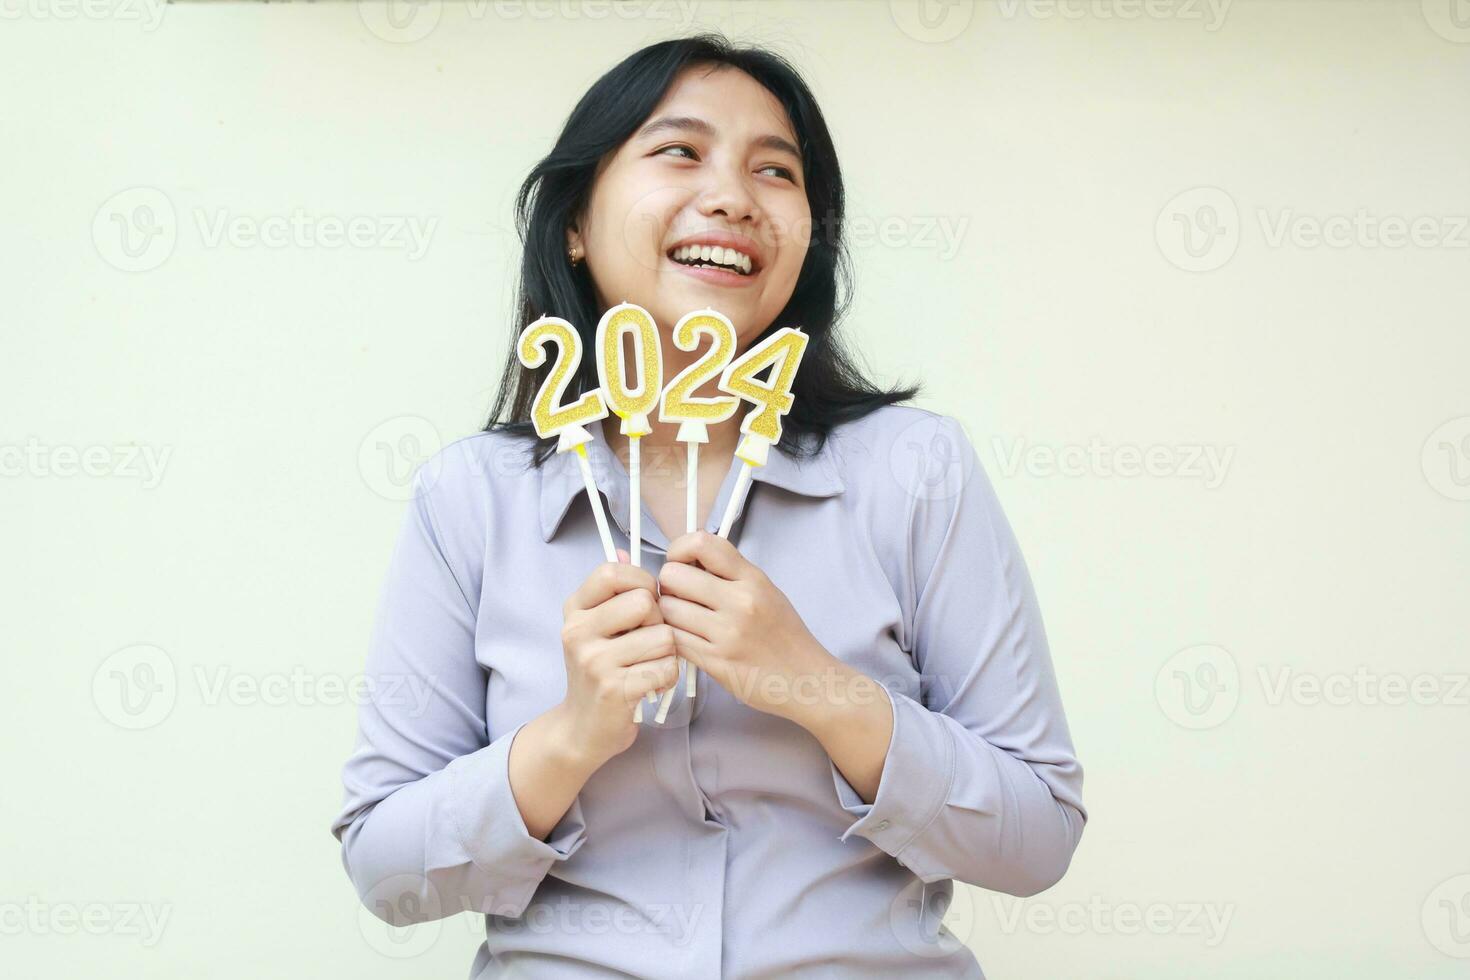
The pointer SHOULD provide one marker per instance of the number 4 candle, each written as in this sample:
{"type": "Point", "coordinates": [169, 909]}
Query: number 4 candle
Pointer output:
{"type": "Point", "coordinates": [694, 415]}
{"type": "Point", "coordinates": [762, 427]}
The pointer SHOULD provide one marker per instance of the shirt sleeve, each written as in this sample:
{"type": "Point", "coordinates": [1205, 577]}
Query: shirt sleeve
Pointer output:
{"type": "Point", "coordinates": [980, 781]}
{"type": "Point", "coordinates": [429, 826]}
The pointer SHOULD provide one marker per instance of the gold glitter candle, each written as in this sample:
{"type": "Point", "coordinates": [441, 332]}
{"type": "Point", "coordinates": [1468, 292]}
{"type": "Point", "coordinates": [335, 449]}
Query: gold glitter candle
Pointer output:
{"type": "Point", "coordinates": [773, 398]}
{"type": "Point", "coordinates": [630, 406]}
{"type": "Point", "coordinates": [549, 419]}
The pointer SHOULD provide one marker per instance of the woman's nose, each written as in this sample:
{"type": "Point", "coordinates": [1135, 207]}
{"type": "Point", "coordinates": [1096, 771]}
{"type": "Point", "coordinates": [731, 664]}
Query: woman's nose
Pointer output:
{"type": "Point", "coordinates": [729, 194]}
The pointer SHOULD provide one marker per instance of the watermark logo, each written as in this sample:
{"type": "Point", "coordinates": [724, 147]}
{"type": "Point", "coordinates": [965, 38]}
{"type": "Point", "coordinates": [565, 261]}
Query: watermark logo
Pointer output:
{"type": "Point", "coordinates": [1206, 921]}
{"type": "Point", "coordinates": [929, 461]}
{"type": "Point", "coordinates": [1199, 230]}
{"type": "Point", "coordinates": [401, 916]}
{"type": "Point", "coordinates": [38, 460]}
{"type": "Point", "coordinates": [1446, 917]}
{"type": "Point", "coordinates": [1187, 461]}
{"type": "Point", "coordinates": [932, 21]}
{"type": "Point", "coordinates": [1445, 459]}
{"type": "Point", "coordinates": [401, 21]}
{"type": "Point", "coordinates": [1450, 19]}
{"type": "Point", "coordinates": [932, 919]}
{"type": "Point", "coordinates": [136, 687]}
{"type": "Point", "coordinates": [407, 21]}
{"type": "Point", "coordinates": [148, 14]}
{"type": "Point", "coordinates": [1201, 686]}
{"type": "Point", "coordinates": [143, 921]}
{"type": "Point", "coordinates": [1198, 687]}
{"type": "Point", "coordinates": [397, 449]}
{"type": "Point", "coordinates": [1210, 13]}
{"type": "Point", "coordinates": [135, 230]}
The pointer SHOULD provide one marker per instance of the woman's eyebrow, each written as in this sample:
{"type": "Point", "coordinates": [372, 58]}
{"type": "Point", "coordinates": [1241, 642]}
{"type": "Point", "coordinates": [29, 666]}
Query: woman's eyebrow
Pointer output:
{"type": "Point", "coordinates": [693, 124]}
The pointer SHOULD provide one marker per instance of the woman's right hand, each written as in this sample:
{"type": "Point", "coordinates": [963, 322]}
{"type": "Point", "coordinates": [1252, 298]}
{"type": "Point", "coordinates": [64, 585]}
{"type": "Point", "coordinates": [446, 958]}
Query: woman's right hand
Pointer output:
{"type": "Point", "coordinates": [617, 649]}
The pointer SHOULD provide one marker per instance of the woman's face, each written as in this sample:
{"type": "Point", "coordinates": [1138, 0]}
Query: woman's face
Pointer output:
{"type": "Point", "coordinates": [716, 163]}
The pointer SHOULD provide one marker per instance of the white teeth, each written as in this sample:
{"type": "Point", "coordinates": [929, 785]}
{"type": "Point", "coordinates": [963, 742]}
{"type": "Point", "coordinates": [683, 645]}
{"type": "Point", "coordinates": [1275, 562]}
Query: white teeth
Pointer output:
{"type": "Point", "coordinates": [716, 254]}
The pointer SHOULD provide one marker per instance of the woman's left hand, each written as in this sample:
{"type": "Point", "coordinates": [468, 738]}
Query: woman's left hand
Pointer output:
{"type": "Point", "coordinates": [732, 622]}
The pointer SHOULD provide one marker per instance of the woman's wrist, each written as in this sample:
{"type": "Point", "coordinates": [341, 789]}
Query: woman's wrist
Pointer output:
{"type": "Point", "coordinates": [570, 750]}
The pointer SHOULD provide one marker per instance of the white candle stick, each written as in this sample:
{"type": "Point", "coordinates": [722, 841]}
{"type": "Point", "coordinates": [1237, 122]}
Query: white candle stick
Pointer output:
{"type": "Point", "coordinates": [782, 352]}
{"type": "Point", "coordinates": [565, 421]}
{"type": "Point", "coordinates": [632, 406]}
{"type": "Point", "coordinates": [608, 551]}
{"type": "Point", "coordinates": [694, 415]}
{"type": "Point", "coordinates": [742, 483]}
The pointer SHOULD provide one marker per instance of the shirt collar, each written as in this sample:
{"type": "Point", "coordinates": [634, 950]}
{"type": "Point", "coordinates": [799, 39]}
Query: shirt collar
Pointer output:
{"type": "Point", "coordinates": [561, 477]}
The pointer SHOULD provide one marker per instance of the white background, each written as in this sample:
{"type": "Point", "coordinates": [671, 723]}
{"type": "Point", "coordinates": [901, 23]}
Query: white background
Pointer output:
{"type": "Point", "coordinates": [1093, 229]}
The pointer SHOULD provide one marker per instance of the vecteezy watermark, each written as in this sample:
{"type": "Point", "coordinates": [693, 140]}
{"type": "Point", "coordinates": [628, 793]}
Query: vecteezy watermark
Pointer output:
{"type": "Point", "coordinates": [137, 229]}
{"type": "Point", "coordinates": [675, 921]}
{"type": "Point", "coordinates": [1199, 687]}
{"type": "Point", "coordinates": [1209, 13]}
{"type": "Point", "coordinates": [1200, 230]}
{"type": "Point", "coordinates": [933, 919]}
{"type": "Point", "coordinates": [1206, 921]}
{"type": "Point", "coordinates": [1450, 19]}
{"type": "Point", "coordinates": [1445, 459]}
{"type": "Point", "coordinates": [1363, 229]}
{"type": "Point", "coordinates": [645, 232]}
{"type": "Point", "coordinates": [939, 233]}
{"type": "Point", "coordinates": [401, 916]}
{"type": "Point", "coordinates": [1207, 464]}
{"type": "Point", "coordinates": [38, 460]}
{"type": "Point", "coordinates": [932, 21]}
{"type": "Point", "coordinates": [144, 921]}
{"type": "Point", "coordinates": [393, 454]}
{"type": "Point", "coordinates": [137, 688]}
{"type": "Point", "coordinates": [148, 14]}
{"type": "Point", "coordinates": [1360, 686]}
{"type": "Point", "coordinates": [407, 21]}
{"type": "Point", "coordinates": [1446, 917]}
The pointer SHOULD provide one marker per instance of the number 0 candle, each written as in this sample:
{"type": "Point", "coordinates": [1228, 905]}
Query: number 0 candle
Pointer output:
{"type": "Point", "coordinates": [631, 405]}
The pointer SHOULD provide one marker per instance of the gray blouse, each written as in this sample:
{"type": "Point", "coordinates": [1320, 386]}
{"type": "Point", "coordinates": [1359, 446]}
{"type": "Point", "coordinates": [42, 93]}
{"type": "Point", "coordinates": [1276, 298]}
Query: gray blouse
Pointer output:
{"type": "Point", "coordinates": [724, 842]}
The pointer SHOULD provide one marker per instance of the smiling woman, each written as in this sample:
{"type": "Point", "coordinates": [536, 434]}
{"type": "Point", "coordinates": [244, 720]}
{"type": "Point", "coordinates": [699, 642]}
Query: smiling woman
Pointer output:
{"type": "Point", "coordinates": [882, 717]}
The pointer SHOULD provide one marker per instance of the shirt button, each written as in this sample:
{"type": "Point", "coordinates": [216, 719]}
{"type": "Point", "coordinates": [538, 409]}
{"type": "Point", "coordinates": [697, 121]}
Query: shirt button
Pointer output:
{"type": "Point", "coordinates": [881, 825]}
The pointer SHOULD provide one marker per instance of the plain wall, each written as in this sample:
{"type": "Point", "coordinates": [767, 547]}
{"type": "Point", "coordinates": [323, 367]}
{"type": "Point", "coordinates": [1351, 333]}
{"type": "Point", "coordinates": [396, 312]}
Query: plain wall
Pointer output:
{"type": "Point", "coordinates": [1192, 275]}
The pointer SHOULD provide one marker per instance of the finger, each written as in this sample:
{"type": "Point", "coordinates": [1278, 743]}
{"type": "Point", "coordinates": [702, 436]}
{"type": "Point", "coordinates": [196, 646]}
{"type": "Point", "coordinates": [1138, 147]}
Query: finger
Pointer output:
{"type": "Point", "coordinates": [710, 550]}
{"type": "Point", "coordinates": [624, 612]}
{"type": "Point", "coordinates": [652, 675]}
{"type": "Point", "coordinates": [623, 556]}
{"type": "Point", "coordinates": [689, 582]}
{"type": "Point", "coordinates": [607, 580]}
{"type": "Point", "coordinates": [694, 648]}
{"type": "Point", "coordinates": [688, 616]}
{"type": "Point", "coordinates": [642, 645]}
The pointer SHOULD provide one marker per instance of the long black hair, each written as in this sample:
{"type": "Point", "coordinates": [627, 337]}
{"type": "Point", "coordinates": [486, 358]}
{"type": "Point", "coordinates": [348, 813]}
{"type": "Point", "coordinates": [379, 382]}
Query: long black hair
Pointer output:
{"type": "Point", "coordinates": [829, 388]}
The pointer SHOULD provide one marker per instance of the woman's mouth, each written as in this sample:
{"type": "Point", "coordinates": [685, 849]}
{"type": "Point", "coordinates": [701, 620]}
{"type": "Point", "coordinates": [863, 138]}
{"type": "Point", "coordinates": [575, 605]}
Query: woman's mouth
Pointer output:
{"type": "Point", "coordinates": [715, 265]}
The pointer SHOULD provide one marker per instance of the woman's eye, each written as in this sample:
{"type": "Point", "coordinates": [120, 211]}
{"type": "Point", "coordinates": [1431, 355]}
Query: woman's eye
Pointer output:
{"type": "Point", "coordinates": [784, 172]}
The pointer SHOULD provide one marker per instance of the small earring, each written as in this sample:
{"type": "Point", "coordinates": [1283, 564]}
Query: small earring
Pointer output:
{"type": "Point", "coordinates": [573, 254]}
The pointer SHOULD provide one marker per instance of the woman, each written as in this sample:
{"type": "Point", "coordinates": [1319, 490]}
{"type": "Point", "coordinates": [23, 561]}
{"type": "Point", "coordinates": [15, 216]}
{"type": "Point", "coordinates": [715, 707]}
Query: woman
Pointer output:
{"type": "Point", "coordinates": [876, 712]}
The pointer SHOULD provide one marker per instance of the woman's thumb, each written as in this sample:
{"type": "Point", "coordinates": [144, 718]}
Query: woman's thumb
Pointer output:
{"type": "Point", "coordinates": [624, 557]}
